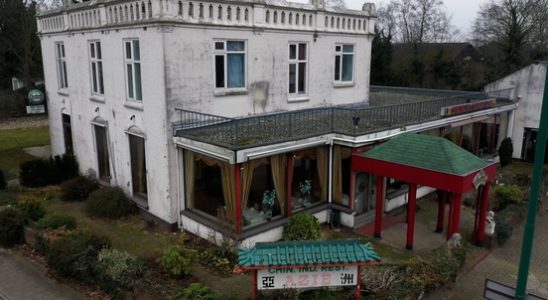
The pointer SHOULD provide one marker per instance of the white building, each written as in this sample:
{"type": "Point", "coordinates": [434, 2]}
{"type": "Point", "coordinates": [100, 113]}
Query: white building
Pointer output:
{"type": "Point", "coordinates": [196, 109]}
{"type": "Point", "coordinates": [527, 87]}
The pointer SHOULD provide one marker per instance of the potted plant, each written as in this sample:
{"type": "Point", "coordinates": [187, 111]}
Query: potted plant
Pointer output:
{"type": "Point", "coordinates": [269, 198]}
{"type": "Point", "coordinates": [305, 187]}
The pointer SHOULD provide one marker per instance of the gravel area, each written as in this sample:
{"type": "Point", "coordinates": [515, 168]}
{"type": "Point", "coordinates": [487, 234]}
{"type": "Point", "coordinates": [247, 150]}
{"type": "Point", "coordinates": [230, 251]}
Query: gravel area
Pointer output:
{"type": "Point", "coordinates": [24, 122]}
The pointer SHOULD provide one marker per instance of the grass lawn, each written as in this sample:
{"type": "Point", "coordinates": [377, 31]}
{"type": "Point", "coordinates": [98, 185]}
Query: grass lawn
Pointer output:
{"type": "Point", "coordinates": [12, 143]}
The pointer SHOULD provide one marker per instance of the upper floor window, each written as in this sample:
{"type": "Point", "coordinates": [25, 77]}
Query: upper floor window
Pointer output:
{"type": "Point", "coordinates": [230, 64]}
{"type": "Point", "coordinates": [96, 62]}
{"type": "Point", "coordinates": [344, 62]}
{"type": "Point", "coordinates": [61, 65]}
{"type": "Point", "coordinates": [298, 59]}
{"type": "Point", "coordinates": [133, 69]}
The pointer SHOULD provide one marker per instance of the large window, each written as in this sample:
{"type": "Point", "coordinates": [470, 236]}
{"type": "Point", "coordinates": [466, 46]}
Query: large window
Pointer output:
{"type": "Point", "coordinates": [138, 165]}
{"type": "Point", "coordinates": [309, 178]}
{"type": "Point", "coordinates": [229, 64]}
{"type": "Point", "coordinates": [96, 64]}
{"type": "Point", "coordinates": [67, 133]}
{"type": "Point", "coordinates": [298, 58]}
{"type": "Point", "coordinates": [133, 70]}
{"type": "Point", "coordinates": [61, 65]}
{"type": "Point", "coordinates": [344, 62]}
{"type": "Point", "coordinates": [103, 161]}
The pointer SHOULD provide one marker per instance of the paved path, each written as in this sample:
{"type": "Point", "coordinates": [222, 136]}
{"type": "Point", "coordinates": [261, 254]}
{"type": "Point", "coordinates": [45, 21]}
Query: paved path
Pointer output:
{"type": "Point", "coordinates": [502, 265]}
{"type": "Point", "coordinates": [24, 279]}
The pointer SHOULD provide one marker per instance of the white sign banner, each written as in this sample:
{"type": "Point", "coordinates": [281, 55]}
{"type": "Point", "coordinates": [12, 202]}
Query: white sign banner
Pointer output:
{"type": "Point", "coordinates": [305, 277]}
{"type": "Point", "coordinates": [36, 109]}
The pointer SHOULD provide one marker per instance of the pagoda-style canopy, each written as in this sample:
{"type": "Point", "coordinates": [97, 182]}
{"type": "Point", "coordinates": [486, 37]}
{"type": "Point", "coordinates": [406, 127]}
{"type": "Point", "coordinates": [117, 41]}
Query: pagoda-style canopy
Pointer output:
{"type": "Point", "coordinates": [429, 161]}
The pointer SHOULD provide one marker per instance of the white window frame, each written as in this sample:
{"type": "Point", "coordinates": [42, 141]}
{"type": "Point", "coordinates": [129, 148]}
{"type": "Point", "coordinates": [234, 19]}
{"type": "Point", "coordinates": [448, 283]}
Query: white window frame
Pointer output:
{"type": "Point", "coordinates": [132, 88]}
{"type": "Point", "coordinates": [94, 125]}
{"type": "Point", "coordinates": [96, 68]}
{"type": "Point", "coordinates": [140, 199]}
{"type": "Point", "coordinates": [224, 52]}
{"type": "Point", "coordinates": [61, 63]}
{"type": "Point", "coordinates": [296, 61]}
{"type": "Point", "coordinates": [339, 56]}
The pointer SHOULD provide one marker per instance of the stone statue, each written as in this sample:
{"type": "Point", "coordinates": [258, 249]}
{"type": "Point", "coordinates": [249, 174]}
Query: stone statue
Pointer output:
{"type": "Point", "coordinates": [454, 241]}
{"type": "Point", "coordinates": [490, 223]}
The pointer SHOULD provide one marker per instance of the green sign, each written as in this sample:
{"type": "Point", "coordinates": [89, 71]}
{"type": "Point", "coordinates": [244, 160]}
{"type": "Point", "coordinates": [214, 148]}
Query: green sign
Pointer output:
{"type": "Point", "coordinates": [36, 97]}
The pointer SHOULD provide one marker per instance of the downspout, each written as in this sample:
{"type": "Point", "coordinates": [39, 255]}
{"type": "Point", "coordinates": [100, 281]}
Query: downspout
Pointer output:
{"type": "Point", "coordinates": [330, 181]}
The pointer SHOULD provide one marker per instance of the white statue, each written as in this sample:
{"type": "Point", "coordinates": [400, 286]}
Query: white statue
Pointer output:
{"type": "Point", "coordinates": [454, 241]}
{"type": "Point", "coordinates": [490, 223]}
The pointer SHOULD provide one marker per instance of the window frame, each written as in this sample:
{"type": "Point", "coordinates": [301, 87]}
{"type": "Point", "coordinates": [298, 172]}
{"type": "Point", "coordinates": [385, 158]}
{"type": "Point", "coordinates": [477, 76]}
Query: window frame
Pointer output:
{"type": "Point", "coordinates": [339, 55]}
{"type": "Point", "coordinates": [131, 61]}
{"type": "Point", "coordinates": [95, 125]}
{"type": "Point", "coordinates": [296, 61]}
{"type": "Point", "coordinates": [61, 65]}
{"type": "Point", "coordinates": [225, 52]}
{"type": "Point", "coordinates": [140, 198]}
{"type": "Point", "coordinates": [97, 82]}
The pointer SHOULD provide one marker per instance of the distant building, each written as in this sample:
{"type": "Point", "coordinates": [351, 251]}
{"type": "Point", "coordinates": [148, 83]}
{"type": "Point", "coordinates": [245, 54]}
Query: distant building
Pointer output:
{"type": "Point", "coordinates": [526, 87]}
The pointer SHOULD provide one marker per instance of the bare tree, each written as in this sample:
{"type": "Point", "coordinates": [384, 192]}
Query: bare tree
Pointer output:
{"type": "Point", "coordinates": [335, 3]}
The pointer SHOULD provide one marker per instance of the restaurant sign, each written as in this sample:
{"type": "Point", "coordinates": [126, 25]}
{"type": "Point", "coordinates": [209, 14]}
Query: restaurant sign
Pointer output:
{"type": "Point", "coordinates": [307, 277]}
{"type": "Point", "coordinates": [467, 107]}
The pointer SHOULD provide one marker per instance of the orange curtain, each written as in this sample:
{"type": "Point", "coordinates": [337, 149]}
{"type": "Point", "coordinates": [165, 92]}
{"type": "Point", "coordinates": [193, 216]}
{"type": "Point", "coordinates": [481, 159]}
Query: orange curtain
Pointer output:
{"type": "Point", "coordinates": [278, 164]}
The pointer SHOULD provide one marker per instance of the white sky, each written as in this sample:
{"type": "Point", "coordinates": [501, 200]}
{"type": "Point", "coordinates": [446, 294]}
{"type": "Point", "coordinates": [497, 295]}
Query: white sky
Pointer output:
{"type": "Point", "coordinates": [463, 12]}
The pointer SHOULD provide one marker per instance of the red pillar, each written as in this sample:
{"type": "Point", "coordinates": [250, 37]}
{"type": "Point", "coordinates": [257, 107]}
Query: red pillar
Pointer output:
{"type": "Point", "coordinates": [483, 214]}
{"type": "Point", "coordinates": [289, 182]}
{"type": "Point", "coordinates": [461, 134]}
{"type": "Point", "coordinates": [455, 218]}
{"type": "Point", "coordinates": [358, 293]}
{"type": "Point", "coordinates": [352, 189]}
{"type": "Point", "coordinates": [411, 206]}
{"type": "Point", "coordinates": [378, 207]}
{"type": "Point", "coordinates": [450, 216]}
{"type": "Point", "coordinates": [255, 295]}
{"type": "Point", "coordinates": [442, 200]}
{"type": "Point", "coordinates": [238, 188]}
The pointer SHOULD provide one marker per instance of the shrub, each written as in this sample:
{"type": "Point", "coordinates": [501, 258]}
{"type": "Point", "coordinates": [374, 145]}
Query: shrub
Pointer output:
{"type": "Point", "coordinates": [506, 195]}
{"type": "Point", "coordinates": [57, 221]}
{"type": "Point", "coordinates": [109, 203]}
{"type": "Point", "coordinates": [42, 172]}
{"type": "Point", "coordinates": [119, 270]}
{"type": "Point", "coordinates": [3, 183]}
{"type": "Point", "coordinates": [66, 166]}
{"type": "Point", "coordinates": [302, 226]}
{"type": "Point", "coordinates": [196, 291]}
{"type": "Point", "coordinates": [505, 152]}
{"type": "Point", "coordinates": [178, 260]}
{"type": "Point", "coordinates": [12, 221]}
{"type": "Point", "coordinates": [31, 206]}
{"type": "Point", "coordinates": [503, 228]}
{"type": "Point", "coordinates": [78, 189]}
{"type": "Point", "coordinates": [75, 255]}
{"type": "Point", "coordinates": [221, 259]}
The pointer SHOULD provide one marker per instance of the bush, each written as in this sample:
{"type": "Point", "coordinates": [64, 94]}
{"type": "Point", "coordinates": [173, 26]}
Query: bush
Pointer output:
{"type": "Point", "coordinates": [503, 228]}
{"type": "Point", "coordinates": [75, 255]}
{"type": "Point", "coordinates": [12, 221]}
{"type": "Point", "coordinates": [178, 260]}
{"type": "Point", "coordinates": [119, 270]}
{"type": "Point", "coordinates": [109, 203]}
{"type": "Point", "coordinates": [31, 206]}
{"type": "Point", "coordinates": [42, 172]}
{"type": "Point", "coordinates": [505, 152]}
{"type": "Point", "coordinates": [57, 221]}
{"type": "Point", "coordinates": [3, 183]}
{"type": "Point", "coordinates": [196, 291]}
{"type": "Point", "coordinates": [222, 259]}
{"type": "Point", "coordinates": [506, 195]}
{"type": "Point", "coordinates": [302, 226]}
{"type": "Point", "coordinates": [78, 189]}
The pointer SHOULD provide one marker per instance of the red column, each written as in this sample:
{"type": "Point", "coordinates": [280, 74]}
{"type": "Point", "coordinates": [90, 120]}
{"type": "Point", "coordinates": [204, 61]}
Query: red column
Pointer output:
{"type": "Point", "coordinates": [352, 189]}
{"type": "Point", "coordinates": [255, 295]}
{"type": "Point", "coordinates": [378, 208]}
{"type": "Point", "coordinates": [461, 134]}
{"type": "Point", "coordinates": [450, 216]}
{"type": "Point", "coordinates": [411, 206]}
{"type": "Point", "coordinates": [358, 293]}
{"type": "Point", "coordinates": [455, 218]}
{"type": "Point", "coordinates": [238, 188]}
{"type": "Point", "coordinates": [483, 214]}
{"type": "Point", "coordinates": [442, 200]}
{"type": "Point", "coordinates": [289, 182]}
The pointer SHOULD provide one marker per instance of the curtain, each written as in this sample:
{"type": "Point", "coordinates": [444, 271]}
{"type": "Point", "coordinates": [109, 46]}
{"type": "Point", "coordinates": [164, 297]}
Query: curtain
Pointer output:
{"type": "Point", "coordinates": [321, 162]}
{"type": "Point", "coordinates": [235, 70]}
{"type": "Point", "coordinates": [337, 175]}
{"type": "Point", "coordinates": [278, 164]}
{"type": "Point", "coordinates": [247, 178]}
{"type": "Point", "coordinates": [190, 172]}
{"type": "Point", "coordinates": [229, 191]}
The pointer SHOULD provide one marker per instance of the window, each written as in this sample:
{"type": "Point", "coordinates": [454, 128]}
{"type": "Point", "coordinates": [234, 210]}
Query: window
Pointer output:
{"type": "Point", "coordinates": [133, 70]}
{"type": "Point", "coordinates": [229, 64]}
{"type": "Point", "coordinates": [67, 133]}
{"type": "Point", "coordinates": [344, 61]}
{"type": "Point", "coordinates": [61, 65]}
{"type": "Point", "coordinates": [96, 62]}
{"type": "Point", "coordinates": [138, 165]}
{"type": "Point", "coordinates": [297, 68]}
{"type": "Point", "coordinates": [103, 161]}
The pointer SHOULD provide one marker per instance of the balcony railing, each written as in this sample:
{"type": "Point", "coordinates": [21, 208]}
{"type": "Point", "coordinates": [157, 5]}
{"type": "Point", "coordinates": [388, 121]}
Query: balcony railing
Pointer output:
{"type": "Point", "coordinates": [260, 130]}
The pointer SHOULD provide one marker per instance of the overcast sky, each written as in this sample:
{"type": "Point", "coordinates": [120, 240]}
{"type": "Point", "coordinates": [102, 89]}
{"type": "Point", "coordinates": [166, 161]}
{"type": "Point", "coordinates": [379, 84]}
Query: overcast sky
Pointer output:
{"type": "Point", "coordinates": [463, 12]}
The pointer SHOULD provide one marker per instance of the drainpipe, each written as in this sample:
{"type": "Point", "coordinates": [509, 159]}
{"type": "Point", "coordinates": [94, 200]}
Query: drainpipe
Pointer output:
{"type": "Point", "coordinates": [330, 181]}
{"type": "Point", "coordinates": [510, 127]}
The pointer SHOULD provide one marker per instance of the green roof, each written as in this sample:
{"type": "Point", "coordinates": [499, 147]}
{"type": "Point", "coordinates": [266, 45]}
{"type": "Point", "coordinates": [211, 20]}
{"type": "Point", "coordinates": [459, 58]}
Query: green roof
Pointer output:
{"type": "Point", "coordinates": [307, 253]}
{"type": "Point", "coordinates": [427, 152]}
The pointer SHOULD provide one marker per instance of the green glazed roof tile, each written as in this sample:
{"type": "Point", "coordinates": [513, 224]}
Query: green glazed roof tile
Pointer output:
{"type": "Point", "coordinates": [427, 152]}
{"type": "Point", "coordinates": [307, 252]}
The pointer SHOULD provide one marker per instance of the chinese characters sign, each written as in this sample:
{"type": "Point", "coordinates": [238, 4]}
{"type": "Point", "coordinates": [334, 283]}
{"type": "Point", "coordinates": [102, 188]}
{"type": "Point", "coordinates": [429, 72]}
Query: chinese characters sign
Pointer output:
{"type": "Point", "coordinates": [305, 277]}
{"type": "Point", "coordinates": [467, 107]}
